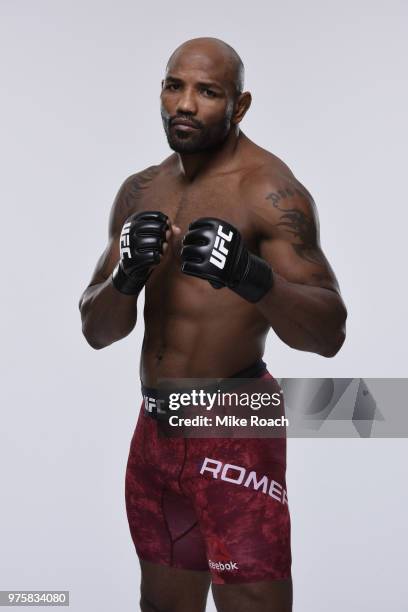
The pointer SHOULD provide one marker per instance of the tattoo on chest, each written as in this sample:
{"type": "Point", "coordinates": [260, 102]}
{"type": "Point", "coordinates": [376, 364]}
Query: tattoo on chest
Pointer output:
{"type": "Point", "coordinates": [298, 224]}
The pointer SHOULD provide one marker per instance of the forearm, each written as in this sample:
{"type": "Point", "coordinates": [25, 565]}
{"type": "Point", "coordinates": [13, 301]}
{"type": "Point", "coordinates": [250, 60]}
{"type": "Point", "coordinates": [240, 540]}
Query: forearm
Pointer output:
{"type": "Point", "coordinates": [107, 315]}
{"type": "Point", "coordinates": [305, 317]}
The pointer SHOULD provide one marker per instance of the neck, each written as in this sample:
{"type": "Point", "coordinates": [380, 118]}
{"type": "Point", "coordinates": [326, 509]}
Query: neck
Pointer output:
{"type": "Point", "coordinates": [192, 164]}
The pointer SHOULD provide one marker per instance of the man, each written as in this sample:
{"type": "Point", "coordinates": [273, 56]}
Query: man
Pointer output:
{"type": "Point", "coordinates": [225, 241]}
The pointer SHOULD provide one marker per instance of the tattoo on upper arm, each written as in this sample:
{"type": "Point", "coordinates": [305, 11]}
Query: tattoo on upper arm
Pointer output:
{"type": "Point", "coordinates": [129, 197]}
{"type": "Point", "coordinates": [297, 223]}
{"type": "Point", "coordinates": [137, 185]}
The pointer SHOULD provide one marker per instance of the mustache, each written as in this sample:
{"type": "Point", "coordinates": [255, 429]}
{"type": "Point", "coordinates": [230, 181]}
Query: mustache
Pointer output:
{"type": "Point", "coordinates": [194, 122]}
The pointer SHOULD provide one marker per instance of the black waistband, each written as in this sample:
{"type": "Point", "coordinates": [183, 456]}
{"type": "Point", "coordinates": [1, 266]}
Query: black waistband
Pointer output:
{"type": "Point", "coordinates": [155, 400]}
{"type": "Point", "coordinates": [255, 370]}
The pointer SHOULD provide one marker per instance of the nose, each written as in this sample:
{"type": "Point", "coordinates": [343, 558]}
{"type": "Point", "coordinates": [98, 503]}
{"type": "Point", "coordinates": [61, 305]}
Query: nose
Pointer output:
{"type": "Point", "coordinates": [186, 103]}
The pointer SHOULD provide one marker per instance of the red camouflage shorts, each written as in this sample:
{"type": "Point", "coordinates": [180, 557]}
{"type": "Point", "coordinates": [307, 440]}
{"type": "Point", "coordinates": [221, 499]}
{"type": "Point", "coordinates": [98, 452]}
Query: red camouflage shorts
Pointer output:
{"type": "Point", "coordinates": [214, 504]}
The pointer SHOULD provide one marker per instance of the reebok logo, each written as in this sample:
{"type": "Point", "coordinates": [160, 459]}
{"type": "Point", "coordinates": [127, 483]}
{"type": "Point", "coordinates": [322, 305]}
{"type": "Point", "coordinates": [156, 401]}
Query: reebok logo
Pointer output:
{"type": "Point", "coordinates": [238, 475]}
{"type": "Point", "coordinates": [220, 251]}
{"type": "Point", "coordinates": [228, 566]}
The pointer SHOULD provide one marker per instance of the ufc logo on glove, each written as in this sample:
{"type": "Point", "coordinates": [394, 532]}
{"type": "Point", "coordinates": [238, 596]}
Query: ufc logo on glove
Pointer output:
{"type": "Point", "coordinates": [219, 252]}
{"type": "Point", "coordinates": [124, 241]}
{"type": "Point", "coordinates": [214, 250]}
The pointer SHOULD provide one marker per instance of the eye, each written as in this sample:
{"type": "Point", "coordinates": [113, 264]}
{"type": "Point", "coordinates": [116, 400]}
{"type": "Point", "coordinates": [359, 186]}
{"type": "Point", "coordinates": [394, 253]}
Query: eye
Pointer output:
{"type": "Point", "coordinates": [208, 92]}
{"type": "Point", "coordinates": [172, 86]}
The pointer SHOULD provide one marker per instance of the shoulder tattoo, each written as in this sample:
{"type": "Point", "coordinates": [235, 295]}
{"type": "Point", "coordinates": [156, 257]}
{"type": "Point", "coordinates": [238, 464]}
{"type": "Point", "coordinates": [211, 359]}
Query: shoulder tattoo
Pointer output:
{"type": "Point", "coordinates": [297, 223]}
{"type": "Point", "coordinates": [137, 184]}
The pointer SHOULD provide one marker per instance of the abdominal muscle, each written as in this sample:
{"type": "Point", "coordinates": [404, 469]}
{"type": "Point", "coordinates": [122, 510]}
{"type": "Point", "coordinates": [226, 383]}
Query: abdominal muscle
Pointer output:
{"type": "Point", "coordinates": [195, 331]}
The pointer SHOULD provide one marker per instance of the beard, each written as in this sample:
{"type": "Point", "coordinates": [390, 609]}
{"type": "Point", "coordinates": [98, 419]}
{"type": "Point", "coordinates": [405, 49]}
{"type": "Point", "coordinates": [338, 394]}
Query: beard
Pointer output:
{"type": "Point", "coordinates": [204, 138]}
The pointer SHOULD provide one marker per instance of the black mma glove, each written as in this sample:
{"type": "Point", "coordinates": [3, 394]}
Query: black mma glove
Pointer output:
{"type": "Point", "coordinates": [141, 244]}
{"type": "Point", "coordinates": [214, 250]}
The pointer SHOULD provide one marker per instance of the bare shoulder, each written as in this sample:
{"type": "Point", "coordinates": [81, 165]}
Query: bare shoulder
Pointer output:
{"type": "Point", "coordinates": [273, 194]}
{"type": "Point", "coordinates": [130, 194]}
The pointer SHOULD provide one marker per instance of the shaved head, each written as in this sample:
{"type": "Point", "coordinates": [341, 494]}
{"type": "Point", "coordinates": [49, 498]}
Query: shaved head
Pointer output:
{"type": "Point", "coordinates": [219, 55]}
{"type": "Point", "coordinates": [202, 98]}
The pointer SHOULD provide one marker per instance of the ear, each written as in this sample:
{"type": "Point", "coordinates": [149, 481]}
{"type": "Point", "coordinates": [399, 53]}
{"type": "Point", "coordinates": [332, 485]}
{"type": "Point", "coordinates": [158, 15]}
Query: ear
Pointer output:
{"type": "Point", "coordinates": [242, 104]}
{"type": "Point", "coordinates": [162, 84]}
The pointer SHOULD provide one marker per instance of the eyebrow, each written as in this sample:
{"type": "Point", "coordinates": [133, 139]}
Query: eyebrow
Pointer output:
{"type": "Point", "coordinates": [209, 84]}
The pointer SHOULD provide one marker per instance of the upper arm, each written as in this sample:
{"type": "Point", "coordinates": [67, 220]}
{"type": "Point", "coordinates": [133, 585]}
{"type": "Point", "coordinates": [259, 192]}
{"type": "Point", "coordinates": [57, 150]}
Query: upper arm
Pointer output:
{"type": "Point", "coordinates": [126, 203]}
{"type": "Point", "coordinates": [287, 222]}
{"type": "Point", "coordinates": [110, 255]}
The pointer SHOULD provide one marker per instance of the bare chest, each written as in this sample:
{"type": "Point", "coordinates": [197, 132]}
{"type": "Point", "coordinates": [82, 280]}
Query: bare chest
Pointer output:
{"type": "Point", "coordinates": [183, 205]}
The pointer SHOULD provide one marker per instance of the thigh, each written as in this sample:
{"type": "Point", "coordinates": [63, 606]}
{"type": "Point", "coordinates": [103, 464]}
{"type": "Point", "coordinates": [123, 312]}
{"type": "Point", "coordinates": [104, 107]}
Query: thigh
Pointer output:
{"type": "Point", "coordinates": [162, 520]}
{"type": "Point", "coordinates": [167, 589]}
{"type": "Point", "coordinates": [273, 596]}
{"type": "Point", "coordinates": [241, 503]}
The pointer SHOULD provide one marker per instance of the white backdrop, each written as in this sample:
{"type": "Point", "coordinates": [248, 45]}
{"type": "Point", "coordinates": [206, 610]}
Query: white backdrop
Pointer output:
{"type": "Point", "coordinates": [80, 112]}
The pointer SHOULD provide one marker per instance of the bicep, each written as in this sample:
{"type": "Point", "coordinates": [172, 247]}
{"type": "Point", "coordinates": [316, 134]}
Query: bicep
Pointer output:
{"type": "Point", "coordinates": [126, 202]}
{"type": "Point", "coordinates": [290, 239]}
{"type": "Point", "coordinates": [119, 212]}
{"type": "Point", "coordinates": [297, 265]}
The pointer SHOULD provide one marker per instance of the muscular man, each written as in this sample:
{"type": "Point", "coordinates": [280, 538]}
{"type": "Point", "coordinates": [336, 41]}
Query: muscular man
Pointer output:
{"type": "Point", "coordinates": [225, 241]}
